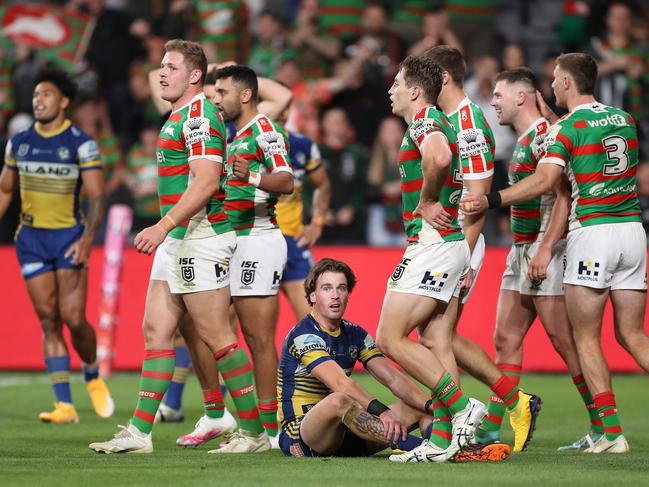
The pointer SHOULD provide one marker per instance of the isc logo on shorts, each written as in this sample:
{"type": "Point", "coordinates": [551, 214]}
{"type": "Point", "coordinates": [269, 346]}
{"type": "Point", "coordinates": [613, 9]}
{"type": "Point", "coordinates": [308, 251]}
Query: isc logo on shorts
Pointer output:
{"type": "Point", "coordinates": [400, 269]}
{"type": "Point", "coordinates": [186, 268]}
{"type": "Point", "coordinates": [248, 272]}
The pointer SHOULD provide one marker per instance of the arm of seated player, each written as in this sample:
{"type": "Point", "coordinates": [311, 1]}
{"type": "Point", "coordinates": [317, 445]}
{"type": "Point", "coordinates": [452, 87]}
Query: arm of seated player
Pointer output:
{"type": "Point", "coordinates": [320, 204]}
{"type": "Point", "coordinates": [436, 158]}
{"type": "Point", "coordinates": [398, 382]}
{"type": "Point", "coordinates": [538, 265]}
{"type": "Point", "coordinates": [8, 184]}
{"type": "Point", "coordinates": [279, 181]}
{"type": "Point", "coordinates": [274, 97]}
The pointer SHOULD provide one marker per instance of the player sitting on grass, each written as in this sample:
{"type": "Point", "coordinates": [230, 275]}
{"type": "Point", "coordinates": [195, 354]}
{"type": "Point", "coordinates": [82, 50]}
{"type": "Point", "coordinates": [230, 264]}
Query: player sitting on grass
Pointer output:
{"type": "Point", "coordinates": [323, 412]}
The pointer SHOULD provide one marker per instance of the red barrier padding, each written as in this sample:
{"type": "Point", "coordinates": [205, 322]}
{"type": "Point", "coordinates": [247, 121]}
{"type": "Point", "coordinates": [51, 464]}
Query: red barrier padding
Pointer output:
{"type": "Point", "coordinates": [20, 346]}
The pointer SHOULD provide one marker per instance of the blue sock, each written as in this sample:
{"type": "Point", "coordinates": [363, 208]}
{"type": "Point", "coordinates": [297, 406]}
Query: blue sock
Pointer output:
{"type": "Point", "coordinates": [58, 369]}
{"type": "Point", "coordinates": [174, 396]}
{"type": "Point", "coordinates": [410, 443]}
{"type": "Point", "coordinates": [429, 431]}
{"type": "Point", "coordinates": [224, 389]}
{"type": "Point", "coordinates": [90, 372]}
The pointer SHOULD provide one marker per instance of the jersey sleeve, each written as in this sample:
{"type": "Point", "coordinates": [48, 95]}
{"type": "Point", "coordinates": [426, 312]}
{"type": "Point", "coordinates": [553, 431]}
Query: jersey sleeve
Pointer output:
{"type": "Point", "coordinates": [88, 155]}
{"type": "Point", "coordinates": [367, 349]}
{"type": "Point", "coordinates": [204, 135]}
{"type": "Point", "coordinates": [273, 148]}
{"type": "Point", "coordinates": [539, 142]}
{"type": "Point", "coordinates": [10, 158]}
{"type": "Point", "coordinates": [557, 146]}
{"type": "Point", "coordinates": [310, 350]}
{"type": "Point", "coordinates": [315, 159]}
{"type": "Point", "coordinates": [423, 128]}
{"type": "Point", "coordinates": [475, 144]}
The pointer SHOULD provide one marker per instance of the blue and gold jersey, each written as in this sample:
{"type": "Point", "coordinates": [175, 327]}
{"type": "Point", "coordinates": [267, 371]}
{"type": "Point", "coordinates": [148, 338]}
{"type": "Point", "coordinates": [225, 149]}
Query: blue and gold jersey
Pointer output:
{"type": "Point", "coordinates": [49, 166]}
{"type": "Point", "coordinates": [305, 158]}
{"type": "Point", "coordinates": [306, 346]}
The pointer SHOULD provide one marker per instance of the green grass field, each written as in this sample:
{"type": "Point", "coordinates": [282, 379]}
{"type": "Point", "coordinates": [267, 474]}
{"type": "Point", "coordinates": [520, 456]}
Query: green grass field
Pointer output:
{"type": "Point", "coordinates": [42, 454]}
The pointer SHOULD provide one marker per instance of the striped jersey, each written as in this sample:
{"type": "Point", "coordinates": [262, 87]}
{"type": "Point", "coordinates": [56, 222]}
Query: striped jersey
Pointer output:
{"type": "Point", "coordinates": [305, 159]}
{"type": "Point", "coordinates": [49, 166]}
{"type": "Point", "coordinates": [262, 142]}
{"type": "Point", "coordinates": [428, 122]}
{"type": "Point", "coordinates": [529, 218]}
{"type": "Point", "coordinates": [306, 346]}
{"type": "Point", "coordinates": [194, 131]}
{"type": "Point", "coordinates": [598, 146]}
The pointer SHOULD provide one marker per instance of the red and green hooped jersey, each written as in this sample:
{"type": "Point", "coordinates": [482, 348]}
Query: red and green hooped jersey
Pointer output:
{"type": "Point", "coordinates": [219, 23]}
{"type": "Point", "coordinates": [531, 217]}
{"type": "Point", "coordinates": [195, 131]}
{"type": "Point", "coordinates": [598, 146]}
{"type": "Point", "coordinates": [263, 143]}
{"type": "Point", "coordinates": [475, 141]}
{"type": "Point", "coordinates": [428, 122]}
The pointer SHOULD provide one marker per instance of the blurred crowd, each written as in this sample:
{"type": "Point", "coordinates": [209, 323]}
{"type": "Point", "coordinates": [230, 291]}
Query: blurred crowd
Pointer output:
{"type": "Point", "coordinates": [339, 58]}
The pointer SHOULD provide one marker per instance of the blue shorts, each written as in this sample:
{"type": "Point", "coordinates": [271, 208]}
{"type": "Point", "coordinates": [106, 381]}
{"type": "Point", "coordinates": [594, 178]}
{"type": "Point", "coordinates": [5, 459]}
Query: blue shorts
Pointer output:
{"type": "Point", "coordinates": [41, 250]}
{"type": "Point", "coordinates": [352, 446]}
{"type": "Point", "coordinates": [299, 261]}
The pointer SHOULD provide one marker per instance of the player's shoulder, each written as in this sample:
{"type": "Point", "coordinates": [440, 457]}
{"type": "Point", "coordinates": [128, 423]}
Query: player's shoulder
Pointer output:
{"type": "Point", "coordinates": [77, 134]}
{"type": "Point", "coordinates": [22, 136]}
{"type": "Point", "coordinates": [266, 124]}
{"type": "Point", "coordinates": [307, 336]}
{"type": "Point", "coordinates": [353, 328]}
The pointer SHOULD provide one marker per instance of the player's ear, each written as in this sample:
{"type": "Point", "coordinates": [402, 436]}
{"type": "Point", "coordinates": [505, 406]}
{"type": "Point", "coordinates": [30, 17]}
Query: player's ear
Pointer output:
{"type": "Point", "coordinates": [446, 77]}
{"type": "Point", "coordinates": [65, 103]}
{"type": "Point", "coordinates": [245, 95]}
{"type": "Point", "coordinates": [312, 298]}
{"type": "Point", "coordinates": [195, 76]}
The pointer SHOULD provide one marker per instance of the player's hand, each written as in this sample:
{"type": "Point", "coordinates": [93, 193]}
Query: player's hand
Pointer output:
{"type": "Point", "coordinates": [538, 266]}
{"type": "Point", "coordinates": [434, 214]}
{"type": "Point", "coordinates": [393, 427]}
{"type": "Point", "coordinates": [545, 109]}
{"type": "Point", "coordinates": [240, 168]}
{"type": "Point", "coordinates": [149, 239]}
{"type": "Point", "coordinates": [467, 282]}
{"type": "Point", "coordinates": [473, 204]}
{"type": "Point", "coordinates": [309, 235]}
{"type": "Point", "coordinates": [80, 251]}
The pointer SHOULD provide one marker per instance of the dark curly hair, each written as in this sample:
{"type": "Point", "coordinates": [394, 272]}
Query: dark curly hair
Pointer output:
{"type": "Point", "coordinates": [327, 265]}
{"type": "Point", "coordinates": [58, 78]}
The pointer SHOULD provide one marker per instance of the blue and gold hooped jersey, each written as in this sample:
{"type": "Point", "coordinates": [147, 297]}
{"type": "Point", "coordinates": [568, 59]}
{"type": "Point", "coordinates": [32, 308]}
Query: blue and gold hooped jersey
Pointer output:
{"type": "Point", "coordinates": [49, 166]}
{"type": "Point", "coordinates": [306, 346]}
{"type": "Point", "coordinates": [305, 158]}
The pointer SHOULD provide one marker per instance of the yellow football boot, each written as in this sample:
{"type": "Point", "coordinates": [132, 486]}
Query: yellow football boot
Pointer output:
{"type": "Point", "coordinates": [63, 413]}
{"type": "Point", "coordinates": [523, 419]}
{"type": "Point", "coordinates": [100, 397]}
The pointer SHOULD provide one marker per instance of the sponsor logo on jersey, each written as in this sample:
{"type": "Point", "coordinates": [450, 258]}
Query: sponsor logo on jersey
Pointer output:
{"type": "Point", "coordinates": [599, 189]}
{"type": "Point", "coordinates": [433, 281]}
{"type": "Point", "coordinates": [587, 270]}
{"type": "Point", "coordinates": [309, 343]}
{"type": "Point", "coordinates": [23, 149]}
{"type": "Point", "coordinates": [472, 142]}
{"type": "Point", "coordinates": [551, 138]}
{"type": "Point", "coordinates": [196, 129]}
{"type": "Point", "coordinates": [421, 127]}
{"type": "Point", "coordinates": [616, 119]}
{"type": "Point", "coordinates": [63, 171]}
{"type": "Point", "coordinates": [271, 143]}
{"type": "Point", "coordinates": [454, 197]}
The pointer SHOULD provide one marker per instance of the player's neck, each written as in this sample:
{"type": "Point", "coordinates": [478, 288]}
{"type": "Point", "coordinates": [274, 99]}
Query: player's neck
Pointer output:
{"type": "Point", "coordinates": [328, 325]}
{"type": "Point", "coordinates": [450, 98]}
{"type": "Point", "coordinates": [247, 114]}
{"type": "Point", "coordinates": [187, 97]}
{"type": "Point", "coordinates": [52, 125]}
{"type": "Point", "coordinates": [416, 107]}
{"type": "Point", "coordinates": [525, 118]}
{"type": "Point", "coordinates": [576, 100]}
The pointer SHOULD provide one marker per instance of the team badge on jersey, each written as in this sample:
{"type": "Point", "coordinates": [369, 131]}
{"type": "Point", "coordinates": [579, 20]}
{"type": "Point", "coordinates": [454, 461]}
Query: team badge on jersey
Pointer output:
{"type": "Point", "coordinates": [196, 129]}
{"type": "Point", "coordinates": [23, 149]}
{"type": "Point", "coordinates": [472, 142]}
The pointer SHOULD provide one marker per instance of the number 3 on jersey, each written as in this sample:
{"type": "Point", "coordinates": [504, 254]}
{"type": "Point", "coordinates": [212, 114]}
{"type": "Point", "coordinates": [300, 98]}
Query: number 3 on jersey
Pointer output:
{"type": "Point", "coordinates": [616, 152]}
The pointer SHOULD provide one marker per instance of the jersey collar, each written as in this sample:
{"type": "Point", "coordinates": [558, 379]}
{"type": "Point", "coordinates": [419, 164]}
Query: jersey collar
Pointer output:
{"type": "Point", "coordinates": [324, 330]}
{"type": "Point", "coordinates": [587, 106]}
{"type": "Point", "coordinates": [199, 96]}
{"type": "Point", "coordinates": [532, 125]}
{"type": "Point", "coordinates": [249, 124]}
{"type": "Point", "coordinates": [47, 134]}
{"type": "Point", "coordinates": [465, 101]}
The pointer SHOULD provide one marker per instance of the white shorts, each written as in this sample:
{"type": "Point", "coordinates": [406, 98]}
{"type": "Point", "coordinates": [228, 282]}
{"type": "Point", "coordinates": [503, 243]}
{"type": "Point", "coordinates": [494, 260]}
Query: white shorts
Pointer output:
{"type": "Point", "coordinates": [477, 258]}
{"type": "Point", "coordinates": [613, 256]}
{"type": "Point", "coordinates": [188, 266]}
{"type": "Point", "coordinates": [432, 270]}
{"type": "Point", "coordinates": [515, 277]}
{"type": "Point", "coordinates": [258, 264]}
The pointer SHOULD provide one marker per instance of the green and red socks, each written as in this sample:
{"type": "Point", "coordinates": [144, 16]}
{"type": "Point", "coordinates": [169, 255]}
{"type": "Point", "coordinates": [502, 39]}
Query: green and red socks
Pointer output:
{"type": "Point", "coordinates": [440, 430]}
{"type": "Point", "coordinates": [607, 409]}
{"type": "Point", "coordinates": [157, 371]}
{"type": "Point", "coordinates": [268, 415]}
{"type": "Point", "coordinates": [450, 394]}
{"type": "Point", "coordinates": [234, 365]}
{"type": "Point", "coordinates": [213, 402]}
{"type": "Point", "coordinates": [505, 387]}
{"type": "Point", "coordinates": [58, 369]}
{"type": "Point", "coordinates": [595, 421]}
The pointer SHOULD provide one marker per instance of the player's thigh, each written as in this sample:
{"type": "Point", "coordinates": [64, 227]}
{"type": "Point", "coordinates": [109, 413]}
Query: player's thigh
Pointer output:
{"type": "Point", "coordinates": [72, 285]}
{"type": "Point", "coordinates": [257, 316]}
{"type": "Point", "coordinates": [629, 308]}
{"type": "Point", "coordinates": [162, 313]}
{"type": "Point", "coordinates": [43, 295]}
{"type": "Point", "coordinates": [257, 265]}
{"type": "Point", "coordinates": [515, 314]}
{"type": "Point", "coordinates": [585, 307]}
{"type": "Point", "coordinates": [554, 315]}
{"type": "Point", "coordinates": [322, 429]}
{"type": "Point", "coordinates": [209, 312]}
{"type": "Point", "coordinates": [438, 331]}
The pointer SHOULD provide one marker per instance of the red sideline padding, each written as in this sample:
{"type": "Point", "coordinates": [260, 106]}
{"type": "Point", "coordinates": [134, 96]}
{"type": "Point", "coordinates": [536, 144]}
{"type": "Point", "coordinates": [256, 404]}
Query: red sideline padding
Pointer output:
{"type": "Point", "coordinates": [20, 346]}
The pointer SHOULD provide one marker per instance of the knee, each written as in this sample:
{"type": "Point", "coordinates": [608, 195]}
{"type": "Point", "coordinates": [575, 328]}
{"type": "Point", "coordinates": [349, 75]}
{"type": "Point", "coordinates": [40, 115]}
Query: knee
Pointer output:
{"type": "Point", "coordinates": [154, 338]}
{"type": "Point", "coordinates": [563, 344]}
{"type": "Point", "coordinates": [385, 343]}
{"type": "Point", "coordinates": [75, 318]}
{"type": "Point", "coordinates": [506, 343]}
{"type": "Point", "coordinates": [624, 340]}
